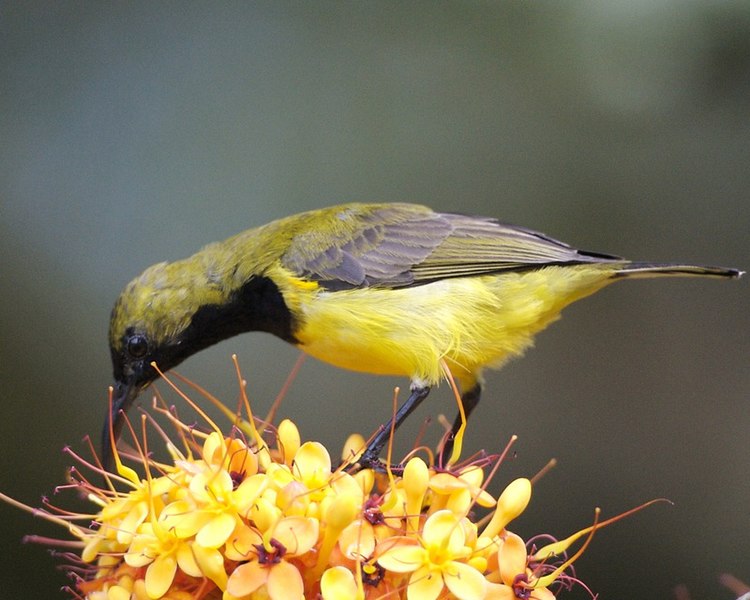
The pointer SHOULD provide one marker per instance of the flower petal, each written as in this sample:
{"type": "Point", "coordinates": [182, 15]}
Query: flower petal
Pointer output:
{"type": "Point", "coordinates": [403, 558]}
{"type": "Point", "coordinates": [249, 491]}
{"type": "Point", "coordinates": [297, 534]}
{"type": "Point", "coordinates": [214, 448]}
{"type": "Point", "coordinates": [210, 487]}
{"type": "Point", "coordinates": [116, 592]}
{"type": "Point", "coordinates": [130, 523]}
{"type": "Point", "coordinates": [211, 564]}
{"type": "Point", "coordinates": [541, 594]}
{"type": "Point", "coordinates": [246, 578]}
{"type": "Point", "coordinates": [312, 464]}
{"type": "Point", "coordinates": [241, 543]}
{"type": "Point", "coordinates": [289, 440]}
{"type": "Point", "coordinates": [344, 483]}
{"type": "Point", "coordinates": [242, 460]}
{"type": "Point", "coordinates": [499, 591]}
{"type": "Point", "coordinates": [338, 583]}
{"type": "Point", "coordinates": [473, 475]}
{"type": "Point", "coordinates": [444, 529]}
{"type": "Point", "coordinates": [214, 533]}
{"type": "Point", "coordinates": [512, 558]}
{"type": "Point", "coordinates": [464, 582]}
{"type": "Point", "coordinates": [285, 582]}
{"type": "Point", "coordinates": [182, 519]}
{"type": "Point", "coordinates": [424, 584]}
{"type": "Point", "coordinates": [357, 540]}
{"type": "Point", "coordinates": [160, 575]}
{"type": "Point", "coordinates": [186, 561]}
{"type": "Point", "coordinates": [264, 514]}
{"type": "Point", "coordinates": [90, 551]}
{"type": "Point", "coordinates": [445, 483]}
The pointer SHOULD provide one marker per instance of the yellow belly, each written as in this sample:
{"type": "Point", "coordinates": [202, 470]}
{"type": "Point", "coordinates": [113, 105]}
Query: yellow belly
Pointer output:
{"type": "Point", "coordinates": [472, 323]}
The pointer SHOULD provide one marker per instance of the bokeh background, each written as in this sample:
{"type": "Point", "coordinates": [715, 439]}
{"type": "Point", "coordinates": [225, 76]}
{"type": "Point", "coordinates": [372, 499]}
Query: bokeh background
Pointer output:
{"type": "Point", "coordinates": [137, 132]}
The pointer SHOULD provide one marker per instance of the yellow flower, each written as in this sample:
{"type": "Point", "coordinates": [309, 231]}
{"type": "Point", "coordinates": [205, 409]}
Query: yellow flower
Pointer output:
{"type": "Point", "coordinates": [261, 515]}
{"type": "Point", "coordinates": [517, 580]}
{"type": "Point", "coordinates": [436, 559]}
{"type": "Point", "coordinates": [158, 549]}
{"type": "Point", "coordinates": [270, 564]}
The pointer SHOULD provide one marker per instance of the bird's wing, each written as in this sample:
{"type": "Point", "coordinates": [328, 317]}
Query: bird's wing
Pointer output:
{"type": "Point", "coordinates": [398, 245]}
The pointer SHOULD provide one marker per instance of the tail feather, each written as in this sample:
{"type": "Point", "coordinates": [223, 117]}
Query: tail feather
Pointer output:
{"type": "Point", "coordinates": [646, 269]}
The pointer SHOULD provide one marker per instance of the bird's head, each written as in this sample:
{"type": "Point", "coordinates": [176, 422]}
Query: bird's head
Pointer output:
{"type": "Point", "coordinates": [159, 319]}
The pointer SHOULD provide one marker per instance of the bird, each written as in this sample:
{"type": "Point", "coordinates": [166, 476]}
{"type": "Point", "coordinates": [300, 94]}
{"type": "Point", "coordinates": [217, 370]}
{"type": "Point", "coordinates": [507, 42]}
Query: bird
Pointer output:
{"type": "Point", "coordinates": [389, 288]}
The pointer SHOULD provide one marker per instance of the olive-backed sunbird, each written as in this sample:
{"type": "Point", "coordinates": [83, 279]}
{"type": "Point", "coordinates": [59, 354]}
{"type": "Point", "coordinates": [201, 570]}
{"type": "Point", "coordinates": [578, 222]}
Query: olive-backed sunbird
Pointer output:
{"type": "Point", "coordinates": [382, 288]}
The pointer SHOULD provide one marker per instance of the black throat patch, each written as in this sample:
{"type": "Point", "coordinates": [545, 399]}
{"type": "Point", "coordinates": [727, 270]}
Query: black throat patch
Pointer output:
{"type": "Point", "coordinates": [256, 306]}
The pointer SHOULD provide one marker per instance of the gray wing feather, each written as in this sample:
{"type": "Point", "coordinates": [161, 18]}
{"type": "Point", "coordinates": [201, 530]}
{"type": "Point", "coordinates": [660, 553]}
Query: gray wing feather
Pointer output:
{"type": "Point", "coordinates": [399, 245]}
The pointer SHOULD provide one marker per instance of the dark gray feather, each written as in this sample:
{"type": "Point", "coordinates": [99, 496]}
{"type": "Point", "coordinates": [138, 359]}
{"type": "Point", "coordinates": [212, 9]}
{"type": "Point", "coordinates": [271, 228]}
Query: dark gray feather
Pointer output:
{"type": "Point", "coordinates": [397, 245]}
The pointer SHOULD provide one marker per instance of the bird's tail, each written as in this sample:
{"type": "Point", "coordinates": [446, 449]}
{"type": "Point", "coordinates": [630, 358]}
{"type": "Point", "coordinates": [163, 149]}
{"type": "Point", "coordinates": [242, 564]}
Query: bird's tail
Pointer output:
{"type": "Point", "coordinates": [646, 269]}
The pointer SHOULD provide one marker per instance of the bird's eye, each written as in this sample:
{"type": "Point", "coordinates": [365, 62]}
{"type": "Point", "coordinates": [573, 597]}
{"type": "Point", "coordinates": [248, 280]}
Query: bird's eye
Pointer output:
{"type": "Point", "coordinates": [137, 346]}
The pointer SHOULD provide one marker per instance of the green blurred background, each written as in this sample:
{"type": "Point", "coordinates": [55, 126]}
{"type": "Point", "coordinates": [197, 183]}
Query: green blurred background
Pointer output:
{"type": "Point", "coordinates": [137, 132]}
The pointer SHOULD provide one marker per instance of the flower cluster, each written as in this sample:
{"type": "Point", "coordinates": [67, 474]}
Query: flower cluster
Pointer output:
{"type": "Point", "coordinates": [255, 513]}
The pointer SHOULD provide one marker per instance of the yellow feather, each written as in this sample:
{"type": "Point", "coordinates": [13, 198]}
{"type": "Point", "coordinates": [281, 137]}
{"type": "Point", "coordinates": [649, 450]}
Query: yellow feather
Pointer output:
{"type": "Point", "coordinates": [472, 323]}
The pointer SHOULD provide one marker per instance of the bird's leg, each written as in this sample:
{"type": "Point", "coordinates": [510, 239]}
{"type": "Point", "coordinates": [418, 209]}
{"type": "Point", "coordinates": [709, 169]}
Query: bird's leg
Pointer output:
{"type": "Point", "coordinates": [469, 400]}
{"type": "Point", "coordinates": [369, 458]}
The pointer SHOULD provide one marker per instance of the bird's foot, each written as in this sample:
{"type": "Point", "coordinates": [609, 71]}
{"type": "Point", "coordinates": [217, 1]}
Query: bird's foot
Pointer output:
{"type": "Point", "coordinates": [371, 460]}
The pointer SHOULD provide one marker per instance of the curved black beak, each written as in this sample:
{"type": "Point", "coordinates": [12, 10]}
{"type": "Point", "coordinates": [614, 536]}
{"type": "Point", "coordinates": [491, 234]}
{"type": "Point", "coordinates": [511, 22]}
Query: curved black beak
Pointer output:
{"type": "Point", "coordinates": [122, 397]}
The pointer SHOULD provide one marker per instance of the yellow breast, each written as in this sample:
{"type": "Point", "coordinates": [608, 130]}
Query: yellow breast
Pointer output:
{"type": "Point", "coordinates": [472, 323]}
